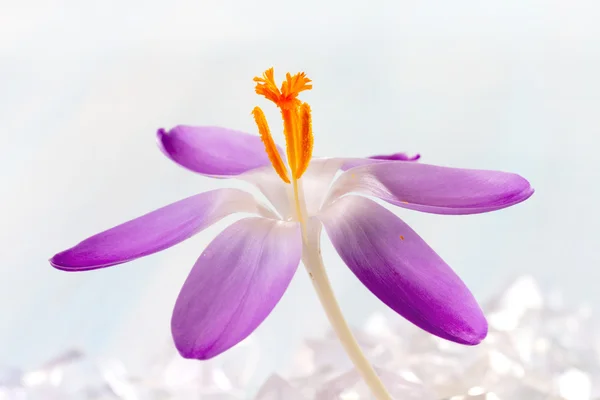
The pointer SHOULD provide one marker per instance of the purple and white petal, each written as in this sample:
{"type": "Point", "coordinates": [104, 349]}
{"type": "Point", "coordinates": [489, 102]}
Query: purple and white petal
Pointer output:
{"type": "Point", "coordinates": [433, 189]}
{"type": "Point", "coordinates": [213, 151]}
{"type": "Point", "coordinates": [234, 285]}
{"type": "Point", "coordinates": [278, 193]}
{"type": "Point", "coordinates": [398, 267]}
{"type": "Point", "coordinates": [155, 231]}
{"type": "Point", "coordinates": [317, 181]}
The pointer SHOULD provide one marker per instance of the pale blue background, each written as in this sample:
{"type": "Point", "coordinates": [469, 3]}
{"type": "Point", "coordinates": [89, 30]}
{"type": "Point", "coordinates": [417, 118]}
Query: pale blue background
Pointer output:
{"type": "Point", "coordinates": [510, 85]}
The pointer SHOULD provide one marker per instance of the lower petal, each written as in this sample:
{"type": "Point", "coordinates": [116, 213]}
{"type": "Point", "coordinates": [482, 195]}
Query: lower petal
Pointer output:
{"type": "Point", "coordinates": [234, 285]}
{"type": "Point", "coordinates": [155, 231]}
{"type": "Point", "coordinates": [398, 267]}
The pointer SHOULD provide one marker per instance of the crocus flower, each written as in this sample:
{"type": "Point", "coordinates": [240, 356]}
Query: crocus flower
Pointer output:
{"type": "Point", "coordinates": [239, 278]}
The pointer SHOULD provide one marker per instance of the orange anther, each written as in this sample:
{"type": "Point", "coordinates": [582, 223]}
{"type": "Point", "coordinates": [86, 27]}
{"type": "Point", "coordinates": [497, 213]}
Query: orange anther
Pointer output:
{"type": "Point", "coordinates": [270, 147]}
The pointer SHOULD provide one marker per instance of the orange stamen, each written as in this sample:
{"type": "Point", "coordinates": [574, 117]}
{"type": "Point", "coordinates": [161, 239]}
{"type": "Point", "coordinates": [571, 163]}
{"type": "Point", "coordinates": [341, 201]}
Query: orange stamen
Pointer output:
{"type": "Point", "coordinates": [270, 147]}
{"type": "Point", "coordinates": [306, 145]}
{"type": "Point", "coordinates": [297, 122]}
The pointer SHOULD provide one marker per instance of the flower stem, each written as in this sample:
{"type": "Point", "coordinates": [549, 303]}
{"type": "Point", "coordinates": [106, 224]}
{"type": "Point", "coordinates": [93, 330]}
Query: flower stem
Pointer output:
{"type": "Point", "coordinates": [311, 257]}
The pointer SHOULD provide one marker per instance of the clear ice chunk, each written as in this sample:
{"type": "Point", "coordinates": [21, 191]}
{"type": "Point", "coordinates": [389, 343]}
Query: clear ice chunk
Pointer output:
{"type": "Point", "coordinates": [350, 386]}
{"type": "Point", "coordinates": [536, 349]}
{"type": "Point", "coordinates": [277, 388]}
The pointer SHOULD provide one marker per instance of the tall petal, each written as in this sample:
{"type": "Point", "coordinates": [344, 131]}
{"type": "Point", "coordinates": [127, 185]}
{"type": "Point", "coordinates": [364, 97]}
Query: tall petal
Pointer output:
{"type": "Point", "coordinates": [433, 189]}
{"type": "Point", "coordinates": [394, 263]}
{"type": "Point", "coordinates": [234, 285]}
{"type": "Point", "coordinates": [155, 231]}
{"type": "Point", "coordinates": [213, 151]}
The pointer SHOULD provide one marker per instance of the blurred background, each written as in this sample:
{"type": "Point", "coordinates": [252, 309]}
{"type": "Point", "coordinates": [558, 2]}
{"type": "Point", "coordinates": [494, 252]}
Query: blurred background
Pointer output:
{"type": "Point", "coordinates": [510, 85]}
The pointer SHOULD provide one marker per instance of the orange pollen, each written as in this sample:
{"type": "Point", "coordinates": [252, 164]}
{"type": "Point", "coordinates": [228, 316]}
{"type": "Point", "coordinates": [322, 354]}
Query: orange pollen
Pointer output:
{"type": "Point", "coordinates": [297, 122]}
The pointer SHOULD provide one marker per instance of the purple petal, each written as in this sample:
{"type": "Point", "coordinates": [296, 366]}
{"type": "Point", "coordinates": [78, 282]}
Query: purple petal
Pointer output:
{"type": "Point", "coordinates": [234, 285]}
{"type": "Point", "coordinates": [155, 231]}
{"type": "Point", "coordinates": [433, 189]}
{"type": "Point", "coordinates": [213, 151]}
{"type": "Point", "coordinates": [356, 162]}
{"type": "Point", "coordinates": [398, 267]}
{"type": "Point", "coordinates": [396, 157]}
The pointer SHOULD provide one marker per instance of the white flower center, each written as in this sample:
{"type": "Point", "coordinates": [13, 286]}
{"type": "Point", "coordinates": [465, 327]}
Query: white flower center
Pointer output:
{"type": "Point", "coordinates": [314, 186]}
